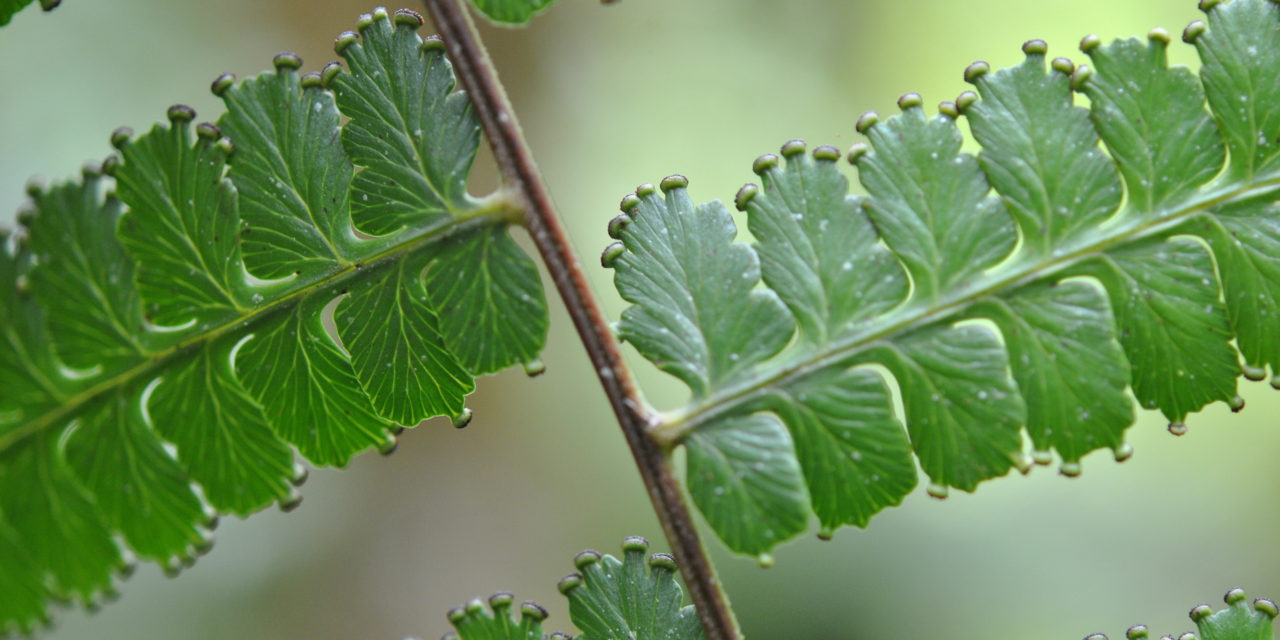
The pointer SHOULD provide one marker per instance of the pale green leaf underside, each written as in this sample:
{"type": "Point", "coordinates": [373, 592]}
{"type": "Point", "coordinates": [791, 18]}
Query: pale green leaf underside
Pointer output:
{"type": "Point", "coordinates": [176, 333]}
{"type": "Point", "coordinates": [1004, 292]}
{"type": "Point", "coordinates": [511, 12]}
{"type": "Point", "coordinates": [629, 598]}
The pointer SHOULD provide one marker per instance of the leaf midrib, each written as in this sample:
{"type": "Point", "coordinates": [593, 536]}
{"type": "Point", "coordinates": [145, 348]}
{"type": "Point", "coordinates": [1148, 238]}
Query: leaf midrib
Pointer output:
{"type": "Point", "coordinates": [495, 213]}
{"type": "Point", "coordinates": [675, 426]}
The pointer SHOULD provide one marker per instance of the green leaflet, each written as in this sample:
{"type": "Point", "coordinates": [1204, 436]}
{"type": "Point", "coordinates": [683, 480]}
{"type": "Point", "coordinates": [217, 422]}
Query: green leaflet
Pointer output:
{"type": "Point", "coordinates": [611, 598]}
{"type": "Point", "coordinates": [745, 480]}
{"type": "Point", "coordinates": [511, 12]}
{"type": "Point", "coordinates": [1019, 290]}
{"type": "Point", "coordinates": [1241, 620]}
{"type": "Point", "coordinates": [472, 622]}
{"type": "Point", "coordinates": [175, 332]}
{"type": "Point", "coordinates": [497, 314]}
{"type": "Point", "coordinates": [398, 354]}
{"type": "Point", "coordinates": [696, 314]}
{"type": "Point", "coordinates": [413, 135]}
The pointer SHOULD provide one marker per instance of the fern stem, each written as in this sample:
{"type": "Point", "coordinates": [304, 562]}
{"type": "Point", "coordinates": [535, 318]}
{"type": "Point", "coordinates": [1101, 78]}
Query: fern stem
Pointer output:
{"type": "Point", "coordinates": [475, 70]}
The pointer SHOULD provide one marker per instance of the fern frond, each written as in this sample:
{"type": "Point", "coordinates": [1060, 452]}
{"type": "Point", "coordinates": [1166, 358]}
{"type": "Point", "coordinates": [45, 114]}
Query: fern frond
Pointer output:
{"type": "Point", "coordinates": [1021, 290]}
{"type": "Point", "coordinates": [1241, 620]}
{"type": "Point", "coordinates": [611, 598]}
{"type": "Point", "coordinates": [472, 622]}
{"type": "Point", "coordinates": [166, 343]}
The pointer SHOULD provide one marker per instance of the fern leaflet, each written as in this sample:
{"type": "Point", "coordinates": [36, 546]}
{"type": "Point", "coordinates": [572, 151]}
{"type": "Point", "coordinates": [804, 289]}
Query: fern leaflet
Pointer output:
{"type": "Point", "coordinates": [511, 12]}
{"type": "Point", "coordinates": [1239, 621]}
{"type": "Point", "coordinates": [175, 334]}
{"type": "Point", "coordinates": [1151, 265]}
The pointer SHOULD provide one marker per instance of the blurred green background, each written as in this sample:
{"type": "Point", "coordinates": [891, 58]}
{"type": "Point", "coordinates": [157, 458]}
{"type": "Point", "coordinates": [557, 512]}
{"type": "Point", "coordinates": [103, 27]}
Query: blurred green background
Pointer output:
{"type": "Point", "coordinates": [611, 97]}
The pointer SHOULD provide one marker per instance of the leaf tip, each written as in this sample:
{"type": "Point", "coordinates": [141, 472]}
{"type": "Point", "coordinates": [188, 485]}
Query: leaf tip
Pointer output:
{"type": "Point", "coordinates": [1178, 428]}
{"type": "Point", "coordinates": [1200, 612]}
{"type": "Point", "coordinates": [1266, 607]}
{"type": "Point", "coordinates": [866, 121]}
{"type": "Point", "coordinates": [344, 41]}
{"type": "Point", "coordinates": [463, 418]}
{"type": "Point", "coordinates": [208, 131]}
{"type": "Point", "coordinates": [910, 100]}
{"type": "Point", "coordinates": [290, 501]}
{"type": "Point", "coordinates": [569, 583]}
{"type": "Point", "coordinates": [432, 43]}
{"type": "Point", "coordinates": [1194, 31]}
{"type": "Point", "coordinates": [1236, 403]}
{"type": "Point", "coordinates": [662, 561]}
{"type": "Point", "coordinates": [1136, 632]}
{"type": "Point", "coordinates": [764, 163]}
{"type": "Point", "coordinates": [586, 558]}
{"type": "Point", "coordinates": [501, 601]}
{"type": "Point", "coordinates": [1022, 462]}
{"type": "Point", "coordinates": [1036, 47]}
{"type": "Point", "coordinates": [745, 195]}
{"type": "Point", "coordinates": [975, 71]}
{"type": "Point", "coordinates": [1080, 77]}
{"type": "Point", "coordinates": [180, 113]}
{"type": "Point", "coordinates": [673, 182]}
{"type": "Point", "coordinates": [222, 83]}
{"type": "Point", "coordinates": [857, 151]}
{"type": "Point", "coordinates": [534, 368]}
{"type": "Point", "coordinates": [939, 491]}
{"type": "Point", "coordinates": [609, 257]}
{"type": "Point", "coordinates": [634, 544]}
{"type": "Point", "coordinates": [1123, 452]}
{"type": "Point", "coordinates": [793, 148]}
{"type": "Point", "coordinates": [407, 18]}
{"type": "Point", "coordinates": [367, 20]}
{"type": "Point", "coordinates": [1254, 373]}
{"type": "Point", "coordinates": [286, 61]}
{"type": "Point", "coordinates": [311, 80]}
{"type": "Point", "coordinates": [617, 225]}
{"type": "Point", "coordinates": [1159, 36]}
{"type": "Point", "coordinates": [1070, 469]}
{"type": "Point", "coordinates": [388, 444]}
{"type": "Point", "coordinates": [532, 611]}
{"type": "Point", "coordinates": [1090, 42]}
{"type": "Point", "coordinates": [629, 203]}
{"type": "Point", "coordinates": [826, 153]}
{"type": "Point", "coordinates": [329, 72]}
